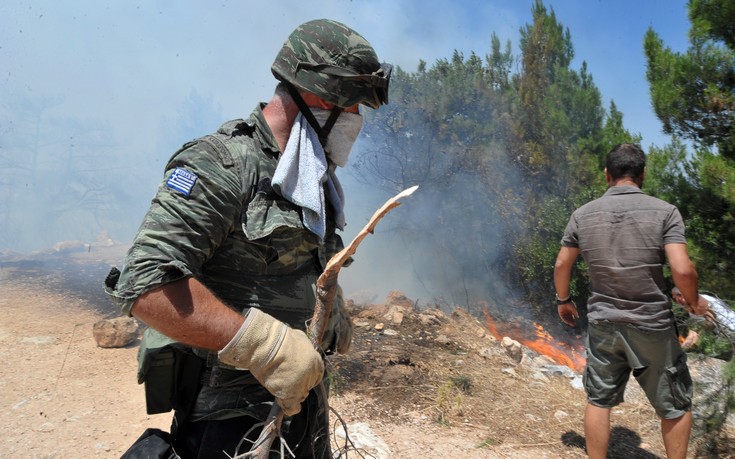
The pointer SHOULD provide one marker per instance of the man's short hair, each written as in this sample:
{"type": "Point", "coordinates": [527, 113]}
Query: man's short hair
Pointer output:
{"type": "Point", "coordinates": [626, 160]}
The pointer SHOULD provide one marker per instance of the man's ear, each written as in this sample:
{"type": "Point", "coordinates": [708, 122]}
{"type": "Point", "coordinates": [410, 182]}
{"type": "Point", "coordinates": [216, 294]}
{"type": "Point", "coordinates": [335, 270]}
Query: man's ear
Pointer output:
{"type": "Point", "coordinates": [608, 178]}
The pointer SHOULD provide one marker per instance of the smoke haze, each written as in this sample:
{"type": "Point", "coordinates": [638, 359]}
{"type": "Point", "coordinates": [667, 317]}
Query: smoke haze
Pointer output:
{"type": "Point", "coordinates": [96, 96]}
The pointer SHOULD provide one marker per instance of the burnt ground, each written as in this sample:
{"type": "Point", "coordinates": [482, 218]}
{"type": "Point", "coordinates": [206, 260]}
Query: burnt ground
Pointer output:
{"type": "Point", "coordinates": [436, 385]}
{"type": "Point", "coordinates": [78, 271]}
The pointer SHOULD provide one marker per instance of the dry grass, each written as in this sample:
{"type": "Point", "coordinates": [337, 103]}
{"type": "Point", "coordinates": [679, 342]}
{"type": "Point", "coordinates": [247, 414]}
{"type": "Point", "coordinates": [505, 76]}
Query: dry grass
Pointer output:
{"type": "Point", "coordinates": [454, 376]}
{"type": "Point", "coordinates": [464, 380]}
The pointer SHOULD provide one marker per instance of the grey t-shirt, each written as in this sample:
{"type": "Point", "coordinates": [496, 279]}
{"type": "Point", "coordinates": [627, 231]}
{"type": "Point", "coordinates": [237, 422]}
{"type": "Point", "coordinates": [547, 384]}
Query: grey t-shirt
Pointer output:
{"type": "Point", "coordinates": [621, 236]}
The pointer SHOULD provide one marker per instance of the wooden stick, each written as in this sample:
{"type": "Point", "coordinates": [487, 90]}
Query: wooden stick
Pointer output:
{"type": "Point", "coordinates": [326, 288]}
{"type": "Point", "coordinates": [326, 284]}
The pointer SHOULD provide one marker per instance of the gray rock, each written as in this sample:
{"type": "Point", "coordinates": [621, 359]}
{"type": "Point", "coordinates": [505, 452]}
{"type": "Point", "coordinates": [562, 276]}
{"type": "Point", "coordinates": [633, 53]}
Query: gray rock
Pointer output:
{"type": "Point", "coordinates": [513, 348]}
{"type": "Point", "coordinates": [365, 440]}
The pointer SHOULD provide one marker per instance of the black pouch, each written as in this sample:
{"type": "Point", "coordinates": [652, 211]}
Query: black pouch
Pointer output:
{"type": "Point", "coordinates": [170, 373]}
{"type": "Point", "coordinates": [159, 381]}
{"type": "Point", "coordinates": [172, 379]}
{"type": "Point", "coordinates": [153, 444]}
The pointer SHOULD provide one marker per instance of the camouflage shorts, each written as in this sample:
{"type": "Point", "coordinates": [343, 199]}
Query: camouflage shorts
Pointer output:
{"type": "Point", "coordinates": [654, 357]}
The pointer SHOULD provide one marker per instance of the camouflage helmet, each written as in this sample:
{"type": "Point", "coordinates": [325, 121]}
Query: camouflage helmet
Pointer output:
{"type": "Point", "coordinates": [334, 62]}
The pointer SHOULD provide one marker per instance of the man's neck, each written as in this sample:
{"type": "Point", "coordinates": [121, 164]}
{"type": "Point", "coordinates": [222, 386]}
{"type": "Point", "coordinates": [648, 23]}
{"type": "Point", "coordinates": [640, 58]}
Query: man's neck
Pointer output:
{"type": "Point", "coordinates": [624, 181]}
{"type": "Point", "coordinates": [280, 113]}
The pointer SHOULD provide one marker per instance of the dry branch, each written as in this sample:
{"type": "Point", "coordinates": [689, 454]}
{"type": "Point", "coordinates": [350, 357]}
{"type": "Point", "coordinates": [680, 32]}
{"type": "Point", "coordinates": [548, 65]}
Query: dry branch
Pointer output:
{"type": "Point", "coordinates": [326, 284]}
{"type": "Point", "coordinates": [326, 288]}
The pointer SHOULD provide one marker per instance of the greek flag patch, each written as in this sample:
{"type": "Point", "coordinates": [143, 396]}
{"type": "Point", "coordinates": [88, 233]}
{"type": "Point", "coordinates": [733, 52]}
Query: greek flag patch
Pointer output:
{"type": "Point", "coordinates": [182, 180]}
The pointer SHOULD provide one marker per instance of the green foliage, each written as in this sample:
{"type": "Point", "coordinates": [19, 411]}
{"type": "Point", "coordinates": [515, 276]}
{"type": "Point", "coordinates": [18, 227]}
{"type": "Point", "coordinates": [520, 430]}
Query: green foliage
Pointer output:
{"type": "Point", "coordinates": [679, 178]}
{"type": "Point", "coordinates": [536, 252]}
{"type": "Point", "coordinates": [718, 175]}
{"type": "Point", "coordinates": [713, 19]}
{"type": "Point", "coordinates": [613, 132]}
{"type": "Point", "coordinates": [562, 134]}
{"type": "Point", "coordinates": [445, 130]}
{"type": "Point", "coordinates": [714, 345]}
{"type": "Point", "coordinates": [499, 65]}
{"type": "Point", "coordinates": [504, 158]}
{"type": "Point", "coordinates": [666, 172]}
{"type": "Point", "coordinates": [545, 94]}
{"type": "Point", "coordinates": [693, 92]}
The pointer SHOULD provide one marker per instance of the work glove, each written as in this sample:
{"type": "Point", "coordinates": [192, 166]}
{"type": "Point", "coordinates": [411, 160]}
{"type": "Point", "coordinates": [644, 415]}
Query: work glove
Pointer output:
{"type": "Point", "coordinates": [338, 336]}
{"type": "Point", "coordinates": [281, 358]}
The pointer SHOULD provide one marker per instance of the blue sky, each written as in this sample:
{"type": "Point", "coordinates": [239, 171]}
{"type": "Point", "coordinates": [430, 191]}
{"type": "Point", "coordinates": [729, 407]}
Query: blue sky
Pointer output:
{"type": "Point", "coordinates": [133, 66]}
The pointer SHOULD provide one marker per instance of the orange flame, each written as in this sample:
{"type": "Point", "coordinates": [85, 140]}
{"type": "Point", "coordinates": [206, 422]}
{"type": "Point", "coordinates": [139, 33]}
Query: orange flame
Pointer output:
{"type": "Point", "coordinates": [570, 355]}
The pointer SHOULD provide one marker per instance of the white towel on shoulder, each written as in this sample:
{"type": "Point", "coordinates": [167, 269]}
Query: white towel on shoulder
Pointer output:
{"type": "Point", "coordinates": [301, 174]}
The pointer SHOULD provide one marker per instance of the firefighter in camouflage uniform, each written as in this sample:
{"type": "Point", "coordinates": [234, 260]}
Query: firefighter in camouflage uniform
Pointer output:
{"type": "Point", "coordinates": [224, 265]}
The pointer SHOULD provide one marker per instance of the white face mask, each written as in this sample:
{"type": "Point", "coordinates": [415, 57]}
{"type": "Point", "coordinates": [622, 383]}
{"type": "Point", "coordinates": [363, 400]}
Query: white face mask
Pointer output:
{"type": "Point", "coordinates": [342, 136]}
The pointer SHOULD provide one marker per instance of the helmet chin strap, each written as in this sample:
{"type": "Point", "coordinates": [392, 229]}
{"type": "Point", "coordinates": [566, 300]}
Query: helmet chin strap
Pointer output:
{"type": "Point", "coordinates": [322, 131]}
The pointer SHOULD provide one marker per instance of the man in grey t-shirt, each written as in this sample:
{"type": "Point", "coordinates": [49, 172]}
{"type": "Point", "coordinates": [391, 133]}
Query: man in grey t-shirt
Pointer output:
{"type": "Point", "coordinates": [625, 237]}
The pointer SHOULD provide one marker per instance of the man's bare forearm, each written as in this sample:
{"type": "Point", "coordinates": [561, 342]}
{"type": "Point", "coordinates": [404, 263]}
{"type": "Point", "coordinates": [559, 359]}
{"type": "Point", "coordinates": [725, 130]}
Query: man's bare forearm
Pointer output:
{"type": "Point", "coordinates": [683, 273]}
{"type": "Point", "coordinates": [688, 284]}
{"type": "Point", "coordinates": [563, 270]}
{"type": "Point", "coordinates": [188, 312]}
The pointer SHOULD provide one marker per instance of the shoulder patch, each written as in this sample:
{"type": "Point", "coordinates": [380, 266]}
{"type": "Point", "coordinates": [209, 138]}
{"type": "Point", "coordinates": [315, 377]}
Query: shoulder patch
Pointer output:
{"type": "Point", "coordinates": [182, 180]}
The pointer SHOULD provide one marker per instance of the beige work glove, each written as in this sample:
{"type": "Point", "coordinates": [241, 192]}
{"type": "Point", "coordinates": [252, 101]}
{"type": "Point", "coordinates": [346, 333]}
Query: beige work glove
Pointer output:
{"type": "Point", "coordinates": [281, 358]}
{"type": "Point", "coordinates": [338, 336]}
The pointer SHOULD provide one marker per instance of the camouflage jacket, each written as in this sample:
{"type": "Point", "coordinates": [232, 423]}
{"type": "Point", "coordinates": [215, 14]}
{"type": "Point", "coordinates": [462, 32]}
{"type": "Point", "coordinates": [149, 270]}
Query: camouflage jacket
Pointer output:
{"type": "Point", "coordinates": [216, 217]}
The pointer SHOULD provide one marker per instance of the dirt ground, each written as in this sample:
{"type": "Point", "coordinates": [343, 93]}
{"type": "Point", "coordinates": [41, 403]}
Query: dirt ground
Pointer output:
{"type": "Point", "coordinates": [427, 389]}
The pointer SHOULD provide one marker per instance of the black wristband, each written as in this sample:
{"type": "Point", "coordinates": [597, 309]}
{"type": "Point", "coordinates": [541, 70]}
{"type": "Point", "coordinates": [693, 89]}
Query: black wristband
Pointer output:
{"type": "Point", "coordinates": [560, 301]}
